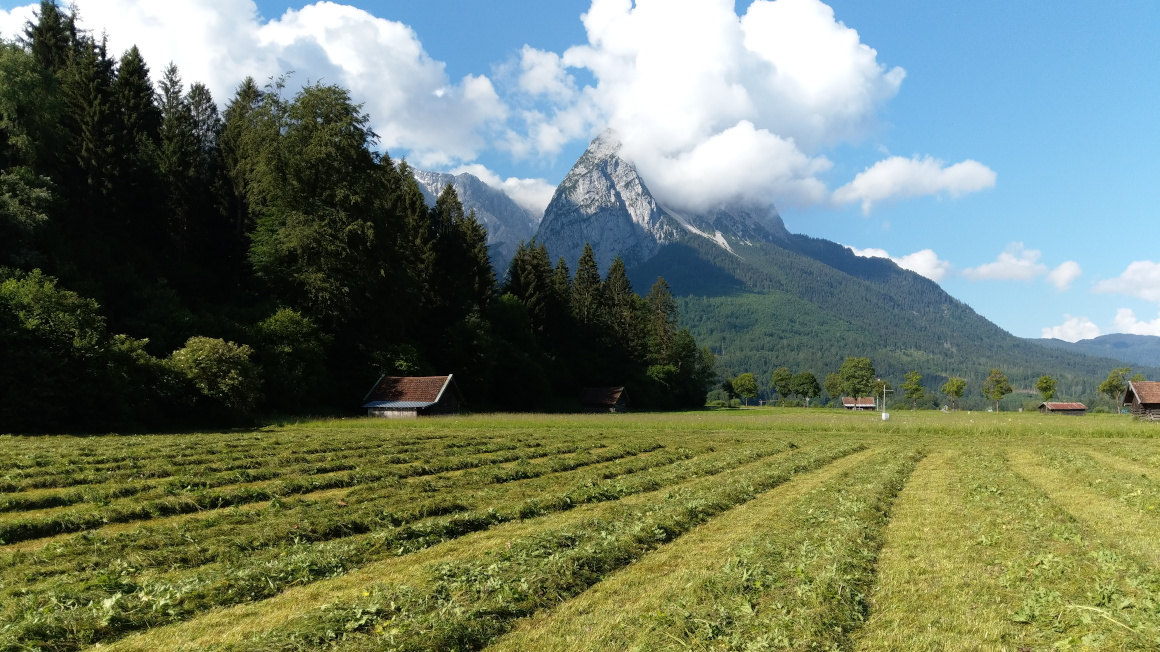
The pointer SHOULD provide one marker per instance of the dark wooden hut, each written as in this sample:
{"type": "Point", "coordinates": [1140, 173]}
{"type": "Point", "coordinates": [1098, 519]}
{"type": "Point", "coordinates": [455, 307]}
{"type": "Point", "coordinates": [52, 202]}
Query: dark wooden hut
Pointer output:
{"type": "Point", "coordinates": [1143, 398]}
{"type": "Point", "coordinates": [1074, 409]}
{"type": "Point", "coordinates": [604, 399]}
{"type": "Point", "coordinates": [396, 397]}
{"type": "Point", "coordinates": [864, 403]}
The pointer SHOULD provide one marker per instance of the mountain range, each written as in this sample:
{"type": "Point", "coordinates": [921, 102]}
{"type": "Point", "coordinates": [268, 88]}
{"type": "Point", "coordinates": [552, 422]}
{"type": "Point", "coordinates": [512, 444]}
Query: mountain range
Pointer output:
{"type": "Point", "coordinates": [761, 297]}
{"type": "Point", "coordinates": [1132, 349]}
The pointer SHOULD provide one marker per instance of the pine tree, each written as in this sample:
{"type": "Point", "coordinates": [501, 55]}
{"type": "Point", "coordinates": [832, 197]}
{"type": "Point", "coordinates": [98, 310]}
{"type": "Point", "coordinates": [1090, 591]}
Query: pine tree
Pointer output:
{"type": "Point", "coordinates": [136, 99]}
{"type": "Point", "coordinates": [620, 304]}
{"type": "Point", "coordinates": [52, 38]}
{"type": "Point", "coordinates": [662, 322]}
{"type": "Point", "coordinates": [586, 291]}
{"type": "Point", "coordinates": [239, 144]}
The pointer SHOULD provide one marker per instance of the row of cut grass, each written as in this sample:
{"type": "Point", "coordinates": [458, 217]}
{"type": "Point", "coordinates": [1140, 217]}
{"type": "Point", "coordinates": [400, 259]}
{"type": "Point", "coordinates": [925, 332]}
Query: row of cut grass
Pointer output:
{"type": "Point", "coordinates": [468, 604]}
{"type": "Point", "coordinates": [980, 554]}
{"type": "Point", "coordinates": [49, 614]}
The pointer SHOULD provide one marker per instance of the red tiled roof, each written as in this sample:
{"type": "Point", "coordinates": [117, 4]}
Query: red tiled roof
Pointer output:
{"type": "Point", "coordinates": [1147, 391]}
{"type": "Point", "coordinates": [601, 395]}
{"type": "Point", "coordinates": [418, 389]}
{"type": "Point", "coordinates": [865, 401]}
{"type": "Point", "coordinates": [1065, 406]}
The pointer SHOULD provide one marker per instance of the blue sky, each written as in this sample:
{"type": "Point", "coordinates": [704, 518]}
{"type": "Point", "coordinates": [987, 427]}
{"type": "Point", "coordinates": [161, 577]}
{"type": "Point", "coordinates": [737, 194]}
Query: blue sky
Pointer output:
{"type": "Point", "coordinates": [1052, 106]}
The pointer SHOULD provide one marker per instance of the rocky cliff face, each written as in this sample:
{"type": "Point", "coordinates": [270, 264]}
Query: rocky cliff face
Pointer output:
{"type": "Point", "coordinates": [507, 224]}
{"type": "Point", "coordinates": [604, 202]}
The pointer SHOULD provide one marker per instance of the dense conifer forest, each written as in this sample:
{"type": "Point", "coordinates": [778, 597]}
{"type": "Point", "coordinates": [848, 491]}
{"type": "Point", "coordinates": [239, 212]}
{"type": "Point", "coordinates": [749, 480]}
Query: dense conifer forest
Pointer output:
{"type": "Point", "coordinates": [164, 263]}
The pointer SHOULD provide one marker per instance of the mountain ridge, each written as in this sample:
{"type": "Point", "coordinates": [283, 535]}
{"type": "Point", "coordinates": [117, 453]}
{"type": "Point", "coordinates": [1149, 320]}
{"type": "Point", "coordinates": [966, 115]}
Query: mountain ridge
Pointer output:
{"type": "Point", "coordinates": [1127, 347]}
{"type": "Point", "coordinates": [507, 223]}
{"type": "Point", "coordinates": [763, 297]}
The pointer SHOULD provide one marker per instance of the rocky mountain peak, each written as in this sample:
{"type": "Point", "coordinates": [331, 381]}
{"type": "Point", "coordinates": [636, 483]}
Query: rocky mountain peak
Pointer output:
{"type": "Point", "coordinates": [605, 202]}
{"type": "Point", "coordinates": [507, 224]}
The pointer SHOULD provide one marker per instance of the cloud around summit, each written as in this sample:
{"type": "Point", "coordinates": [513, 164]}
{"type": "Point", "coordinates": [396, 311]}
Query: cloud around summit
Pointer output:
{"type": "Point", "coordinates": [712, 106]}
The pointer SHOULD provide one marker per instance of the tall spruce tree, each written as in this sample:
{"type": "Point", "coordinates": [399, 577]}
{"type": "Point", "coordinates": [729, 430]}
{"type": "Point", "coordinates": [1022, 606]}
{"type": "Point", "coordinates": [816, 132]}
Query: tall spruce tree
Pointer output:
{"type": "Point", "coordinates": [621, 306]}
{"type": "Point", "coordinates": [587, 291]}
{"type": "Point", "coordinates": [662, 322]}
{"type": "Point", "coordinates": [52, 37]}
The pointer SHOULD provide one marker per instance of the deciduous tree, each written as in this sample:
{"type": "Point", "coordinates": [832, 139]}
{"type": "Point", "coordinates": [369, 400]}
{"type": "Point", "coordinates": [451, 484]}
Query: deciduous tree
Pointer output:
{"type": "Point", "coordinates": [954, 388]}
{"type": "Point", "coordinates": [913, 388]}
{"type": "Point", "coordinates": [782, 382]}
{"type": "Point", "coordinates": [1046, 387]}
{"type": "Point", "coordinates": [857, 377]}
{"type": "Point", "coordinates": [805, 385]}
{"type": "Point", "coordinates": [1115, 385]}
{"type": "Point", "coordinates": [746, 386]}
{"type": "Point", "coordinates": [996, 387]}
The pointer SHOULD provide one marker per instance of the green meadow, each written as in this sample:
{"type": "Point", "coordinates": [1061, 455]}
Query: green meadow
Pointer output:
{"type": "Point", "coordinates": [757, 529]}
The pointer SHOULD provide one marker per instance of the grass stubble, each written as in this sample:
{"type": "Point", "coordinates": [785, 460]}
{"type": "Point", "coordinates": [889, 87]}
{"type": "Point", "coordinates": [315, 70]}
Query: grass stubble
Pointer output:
{"type": "Point", "coordinates": [646, 532]}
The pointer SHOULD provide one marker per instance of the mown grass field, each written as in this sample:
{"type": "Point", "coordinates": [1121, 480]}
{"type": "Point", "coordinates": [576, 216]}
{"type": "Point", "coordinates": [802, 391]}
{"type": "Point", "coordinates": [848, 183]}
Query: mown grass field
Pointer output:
{"type": "Point", "coordinates": [758, 529]}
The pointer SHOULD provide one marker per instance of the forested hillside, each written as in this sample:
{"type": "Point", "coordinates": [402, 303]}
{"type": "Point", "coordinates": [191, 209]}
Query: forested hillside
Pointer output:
{"type": "Point", "coordinates": [810, 304]}
{"type": "Point", "coordinates": [162, 262]}
{"type": "Point", "coordinates": [1132, 349]}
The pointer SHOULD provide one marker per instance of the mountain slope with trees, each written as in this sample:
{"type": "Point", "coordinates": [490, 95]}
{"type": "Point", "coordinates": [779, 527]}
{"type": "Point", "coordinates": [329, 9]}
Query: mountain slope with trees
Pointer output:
{"type": "Point", "coordinates": [1133, 349]}
{"type": "Point", "coordinates": [809, 303]}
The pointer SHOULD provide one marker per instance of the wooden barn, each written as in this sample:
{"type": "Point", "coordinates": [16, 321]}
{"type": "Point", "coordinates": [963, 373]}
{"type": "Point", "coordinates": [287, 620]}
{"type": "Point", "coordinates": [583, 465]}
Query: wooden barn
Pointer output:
{"type": "Point", "coordinates": [396, 397]}
{"type": "Point", "coordinates": [1074, 409]}
{"type": "Point", "coordinates": [864, 403]}
{"type": "Point", "coordinates": [604, 399]}
{"type": "Point", "coordinates": [1143, 397]}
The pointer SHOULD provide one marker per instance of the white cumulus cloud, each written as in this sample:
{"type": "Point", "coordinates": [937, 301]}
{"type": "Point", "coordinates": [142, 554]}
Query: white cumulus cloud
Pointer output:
{"type": "Point", "coordinates": [1126, 322]}
{"type": "Point", "coordinates": [1016, 263]}
{"type": "Point", "coordinates": [925, 262]}
{"type": "Point", "coordinates": [1141, 279]}
{"type": "Point", "coordinates": [712, 106]}
{"type": "Point", "coordinates": [1073, 329]}
{"type": "Point", "coordinates": [12, 21]}
{"type": "Point", "coordinates": [532, 195]}
{"type": "Point", "coordinates": [902, 178]}
{"type": "Point", "coordinates": [412, 103]}
{"type": "Point", "coordinates": [1063, 276]}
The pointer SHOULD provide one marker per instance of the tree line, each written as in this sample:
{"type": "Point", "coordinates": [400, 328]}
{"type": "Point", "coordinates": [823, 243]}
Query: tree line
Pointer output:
{"type": "Point", "coordinates": [857, 379]}
{"type": "Point", "coordinates": [166, 263]}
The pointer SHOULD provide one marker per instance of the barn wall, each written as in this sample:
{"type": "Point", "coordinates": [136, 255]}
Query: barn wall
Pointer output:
{"type": "Point", "coordinates": [387, 413]}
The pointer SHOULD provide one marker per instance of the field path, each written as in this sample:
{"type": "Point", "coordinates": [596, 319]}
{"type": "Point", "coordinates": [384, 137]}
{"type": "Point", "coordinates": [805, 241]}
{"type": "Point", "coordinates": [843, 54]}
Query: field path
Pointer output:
{"type": "Point", "coordinates": [1125, 528]}
{"type": "Point", "coordinates": [604, 616]}
{"type": "Point", "coordinates": [933, 585]}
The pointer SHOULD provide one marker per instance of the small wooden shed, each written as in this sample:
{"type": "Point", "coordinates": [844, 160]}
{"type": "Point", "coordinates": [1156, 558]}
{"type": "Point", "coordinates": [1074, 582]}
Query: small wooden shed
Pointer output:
{"type": "Point", "coordinates": [864, 403]}
{"type": "Point", "coordinates": [407, 397]}
{"type": "Point", "coordinates": [1074, 409]}
{"type": "Point", "coordinates": [604, 399]}
{"type": "Point", "coordinates": [1143, 397]}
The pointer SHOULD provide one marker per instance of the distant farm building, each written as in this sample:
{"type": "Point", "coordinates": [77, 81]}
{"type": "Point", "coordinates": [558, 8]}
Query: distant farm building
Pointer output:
{"type": "Point", "coordinates": [1143, 397]}
{"type": "Point", "coordinates": [864, 403]}
{"type": "Point", "coordinates": [1075, 409]}
{"type": "Point", "coordinates": [604, 399]}
{"type": "Point", "coordinates": [395, 397]}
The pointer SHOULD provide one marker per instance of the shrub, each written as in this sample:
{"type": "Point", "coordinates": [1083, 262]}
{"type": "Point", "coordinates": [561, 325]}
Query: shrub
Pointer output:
{"type": "Point", "coordinates": [220, 370]}
{"type": "Point", "coordinates": [291, 351]}
{"type": "Point", "coordinates": [52, 354]}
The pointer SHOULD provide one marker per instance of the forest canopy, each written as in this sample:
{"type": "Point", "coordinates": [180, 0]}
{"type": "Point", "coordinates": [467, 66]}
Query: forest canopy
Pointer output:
{"type": "Point", "coordinates": [166, 263]}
